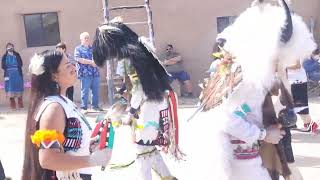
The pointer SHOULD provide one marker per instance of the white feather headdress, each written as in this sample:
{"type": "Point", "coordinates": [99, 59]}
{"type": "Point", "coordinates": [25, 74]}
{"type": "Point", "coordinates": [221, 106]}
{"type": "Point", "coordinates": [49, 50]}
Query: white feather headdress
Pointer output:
{"type": "Point", "coordinates": [36, 65]}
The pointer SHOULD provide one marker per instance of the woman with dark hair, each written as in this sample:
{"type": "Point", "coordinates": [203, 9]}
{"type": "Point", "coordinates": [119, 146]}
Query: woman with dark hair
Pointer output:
{"type": "Point", "coordinates": [60, 131]}
{"type": "Point", "coordinates": [12, 66]}
{"type": "Point", "coordinates": [62, 47]}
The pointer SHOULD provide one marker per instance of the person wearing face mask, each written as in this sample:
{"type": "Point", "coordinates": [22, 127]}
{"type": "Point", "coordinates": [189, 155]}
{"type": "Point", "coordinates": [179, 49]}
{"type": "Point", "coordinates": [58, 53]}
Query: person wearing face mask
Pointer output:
{"type": "Point", "coordinates": [12, 66]}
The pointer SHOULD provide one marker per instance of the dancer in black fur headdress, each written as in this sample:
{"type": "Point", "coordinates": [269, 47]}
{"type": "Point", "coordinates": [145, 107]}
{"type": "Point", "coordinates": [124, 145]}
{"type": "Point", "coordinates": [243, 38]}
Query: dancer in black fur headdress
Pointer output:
{"type": "Point", "coordinates": [156, 121]}
{"type": "Point", "coordinates": [117, 41]}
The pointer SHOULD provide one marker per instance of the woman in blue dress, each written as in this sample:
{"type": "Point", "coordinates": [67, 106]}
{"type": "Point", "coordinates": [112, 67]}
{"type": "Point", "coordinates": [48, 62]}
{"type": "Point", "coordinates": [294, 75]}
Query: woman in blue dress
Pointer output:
{"type": "Point", "coordinates": [13, 77]}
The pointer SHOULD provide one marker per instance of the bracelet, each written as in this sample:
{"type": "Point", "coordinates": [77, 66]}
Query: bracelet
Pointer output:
{"type": "Point", "coordinates": [262, 135]}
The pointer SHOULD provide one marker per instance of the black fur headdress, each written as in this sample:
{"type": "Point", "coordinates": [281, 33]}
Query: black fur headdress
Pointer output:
{"type": "Point", "coordinates": [117, 41]}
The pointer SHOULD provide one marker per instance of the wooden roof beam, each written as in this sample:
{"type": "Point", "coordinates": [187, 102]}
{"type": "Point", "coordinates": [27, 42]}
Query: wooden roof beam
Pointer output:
{"type": "Point", "coordinates": [126, 7]}
{"type": "Point", "coordinates": [135, 23]}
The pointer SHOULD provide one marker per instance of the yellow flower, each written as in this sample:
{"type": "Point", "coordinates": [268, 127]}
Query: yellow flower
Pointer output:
{"type": "Point", "coordinates": [60, 138]}
{"type": "Point", "coordinates": [46, 136]}
{"type": "Point", "coordinates": [35, 140]}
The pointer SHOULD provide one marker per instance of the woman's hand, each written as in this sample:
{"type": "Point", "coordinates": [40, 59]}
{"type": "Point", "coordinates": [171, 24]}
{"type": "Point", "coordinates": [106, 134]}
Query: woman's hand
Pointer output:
{"type": "Point", "coordinates": [94, 143]}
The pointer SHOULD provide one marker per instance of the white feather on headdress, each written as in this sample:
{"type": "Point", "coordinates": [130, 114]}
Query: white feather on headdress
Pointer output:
{"type": "Point", "coordinates": [117, 19]}
{"type": "Point", "coordinates": [254, 39]}
{"type": "Point", "coordinates": [36, 65]}
{"type": "Point", "coordinates": [147, 43]}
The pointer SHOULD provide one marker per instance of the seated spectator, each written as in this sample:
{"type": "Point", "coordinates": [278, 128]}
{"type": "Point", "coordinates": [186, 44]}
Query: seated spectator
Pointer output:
{"type": "Point", "coordinates": [172, 61]}
{"type": "Point", "coordinates": [312, 66]}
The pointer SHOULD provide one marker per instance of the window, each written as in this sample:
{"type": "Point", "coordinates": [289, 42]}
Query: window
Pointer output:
{"type": "Point", "coordinates": [223, 22]}
{"type": "Point", "coordinates": [42, 29]}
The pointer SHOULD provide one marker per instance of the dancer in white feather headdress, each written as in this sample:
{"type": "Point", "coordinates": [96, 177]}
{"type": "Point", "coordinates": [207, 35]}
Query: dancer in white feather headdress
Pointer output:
{"type": "Point", "coordinates": [264, 39]}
